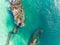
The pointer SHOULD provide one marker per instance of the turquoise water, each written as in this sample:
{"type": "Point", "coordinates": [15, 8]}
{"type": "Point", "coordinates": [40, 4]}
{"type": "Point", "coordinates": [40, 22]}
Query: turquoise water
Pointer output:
{"type": "Point", "coordinates": [40, 14]}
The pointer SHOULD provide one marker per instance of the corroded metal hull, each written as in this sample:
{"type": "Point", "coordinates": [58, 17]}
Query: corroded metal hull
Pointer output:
{"type": "Point", "coordinates": [18, 13]}
{"type": "Point", "coordinates": [19, 17]}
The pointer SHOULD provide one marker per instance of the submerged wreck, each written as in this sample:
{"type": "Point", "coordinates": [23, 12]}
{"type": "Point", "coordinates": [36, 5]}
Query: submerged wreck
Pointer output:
{"type": "Point", "coordinates": [19, 18]}
{"type": "Point", "coordinates": [18, 13]}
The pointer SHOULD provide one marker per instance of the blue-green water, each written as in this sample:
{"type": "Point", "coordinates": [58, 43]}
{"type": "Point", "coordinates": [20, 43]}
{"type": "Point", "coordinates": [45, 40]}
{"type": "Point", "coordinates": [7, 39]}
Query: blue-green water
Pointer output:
{"type": "Point", "coordinates": [40, 14]}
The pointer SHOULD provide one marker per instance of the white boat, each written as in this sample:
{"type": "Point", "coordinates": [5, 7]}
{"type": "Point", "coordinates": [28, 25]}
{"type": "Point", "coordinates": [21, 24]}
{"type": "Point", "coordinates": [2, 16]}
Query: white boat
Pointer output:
{"type": "Point", "coordinates": [34, 38]}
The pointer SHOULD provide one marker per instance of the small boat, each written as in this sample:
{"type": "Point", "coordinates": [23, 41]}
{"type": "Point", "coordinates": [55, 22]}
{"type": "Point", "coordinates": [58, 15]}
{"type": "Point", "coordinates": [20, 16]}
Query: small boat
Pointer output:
{"type": "Point", "coordinates": [35, 37]}
{"type": "Point", "coordinates": [18, 13]}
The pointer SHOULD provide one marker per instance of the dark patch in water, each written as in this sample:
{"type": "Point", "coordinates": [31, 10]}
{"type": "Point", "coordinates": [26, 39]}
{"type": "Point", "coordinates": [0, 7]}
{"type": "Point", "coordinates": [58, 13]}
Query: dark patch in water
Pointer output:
{"type": "Point", "coordinates": [10, 20]}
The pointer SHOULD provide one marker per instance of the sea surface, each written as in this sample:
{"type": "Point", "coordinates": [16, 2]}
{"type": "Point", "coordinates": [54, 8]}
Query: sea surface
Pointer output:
{"type": "Point", "coordinates": [39, 15]}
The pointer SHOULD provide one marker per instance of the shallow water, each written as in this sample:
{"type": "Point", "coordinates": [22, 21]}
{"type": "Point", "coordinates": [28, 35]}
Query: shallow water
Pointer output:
{"type": "Point", "coordinates": [40, 14]}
